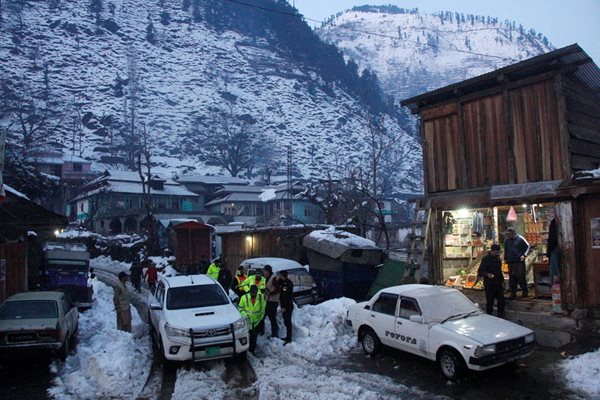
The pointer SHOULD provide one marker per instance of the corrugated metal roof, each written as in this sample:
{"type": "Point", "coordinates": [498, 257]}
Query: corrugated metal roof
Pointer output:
{"type": "Point", "coordinates": [212, 179]}
{"type": "Point", "coordinates": [587, 72]}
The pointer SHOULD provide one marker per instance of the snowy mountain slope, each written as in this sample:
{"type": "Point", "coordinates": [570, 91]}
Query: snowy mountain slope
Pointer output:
{"type": "Point", "coordinates": [80, 59]}
{"type": "Point", "coordinates": [413, 53]}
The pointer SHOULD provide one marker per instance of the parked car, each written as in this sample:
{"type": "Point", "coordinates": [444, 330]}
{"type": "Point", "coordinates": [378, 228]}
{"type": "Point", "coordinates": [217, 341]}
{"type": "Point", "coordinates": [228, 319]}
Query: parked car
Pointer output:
{"type": "Point", "coordinates": [192, 318]}
{"type": "Point", "coordinates": [440, 324]}
{"type": "Point", "coordinates": [305, 288]}
{"type": "Point", "coordinates": [38, 321]}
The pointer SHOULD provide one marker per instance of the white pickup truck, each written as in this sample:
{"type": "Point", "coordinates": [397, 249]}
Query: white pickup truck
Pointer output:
{"type": "Point", "coordinates": [440, 324]}
{"type": "Point", "coordinates": [192, 318]}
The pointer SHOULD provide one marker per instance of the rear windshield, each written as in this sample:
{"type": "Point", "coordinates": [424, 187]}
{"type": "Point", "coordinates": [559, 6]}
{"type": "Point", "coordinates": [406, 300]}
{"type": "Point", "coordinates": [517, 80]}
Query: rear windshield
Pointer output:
{"type": "Point", "coordinates": [29, 309]}
{"type": "Point", "coordinates": [180, 298]}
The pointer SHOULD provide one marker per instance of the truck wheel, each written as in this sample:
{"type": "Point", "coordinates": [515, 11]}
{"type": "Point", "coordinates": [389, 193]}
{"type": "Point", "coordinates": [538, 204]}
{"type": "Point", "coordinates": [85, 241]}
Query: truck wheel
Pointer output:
{"type": "Point", "coordinates": [451, 364]}
{"type": "Point", "coordinates": [168, 365]}
{"type": "Point", "coordinates": [370, 342]}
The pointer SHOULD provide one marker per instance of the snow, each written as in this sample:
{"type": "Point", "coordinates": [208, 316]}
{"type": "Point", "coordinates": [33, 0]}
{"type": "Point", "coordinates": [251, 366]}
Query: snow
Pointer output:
{"type": "Point", "coordinates": [109, 363]}
{"type": "Point", "coordinates": [344, 238]}
{"type": "Point", "coordinates": [114, 364]}
{"type": "Point", "coordinates": [267, 194]}
{"type": "Point", "coordinates": [581, 373]}
{"type": "Point", "coordinates": [14, 191]}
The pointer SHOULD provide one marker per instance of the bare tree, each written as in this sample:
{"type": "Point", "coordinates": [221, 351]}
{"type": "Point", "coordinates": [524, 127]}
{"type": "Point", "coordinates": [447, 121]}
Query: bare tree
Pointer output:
{"type": "Point", "coordinates": [144, 167]}
{"type": "Point", "coordinates": [230, 141]}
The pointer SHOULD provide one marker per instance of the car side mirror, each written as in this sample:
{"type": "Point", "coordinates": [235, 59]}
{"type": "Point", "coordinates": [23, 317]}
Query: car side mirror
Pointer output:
{"type": "Point", "coordinates": [155, 306]}
{"type": "Point", "coordinates": [417, 318]}
{"type": "Point", "coordinates": [367, 307]}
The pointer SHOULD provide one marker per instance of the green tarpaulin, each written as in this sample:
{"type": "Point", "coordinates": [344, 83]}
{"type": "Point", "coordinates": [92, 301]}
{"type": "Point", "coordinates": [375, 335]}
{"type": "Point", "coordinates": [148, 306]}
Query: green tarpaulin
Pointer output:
{"type": "Point", "coordinates": [390, 274]}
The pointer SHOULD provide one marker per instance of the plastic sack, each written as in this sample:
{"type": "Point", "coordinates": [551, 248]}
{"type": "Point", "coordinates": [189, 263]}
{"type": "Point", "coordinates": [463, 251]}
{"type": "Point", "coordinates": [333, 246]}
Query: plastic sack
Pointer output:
{"type": "Point", "coordinates": [512, 215]}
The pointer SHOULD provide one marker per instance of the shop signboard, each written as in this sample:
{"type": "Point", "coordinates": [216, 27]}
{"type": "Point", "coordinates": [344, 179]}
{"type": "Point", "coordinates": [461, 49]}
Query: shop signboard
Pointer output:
{"type": "Point", "coordinates": [595, 224]}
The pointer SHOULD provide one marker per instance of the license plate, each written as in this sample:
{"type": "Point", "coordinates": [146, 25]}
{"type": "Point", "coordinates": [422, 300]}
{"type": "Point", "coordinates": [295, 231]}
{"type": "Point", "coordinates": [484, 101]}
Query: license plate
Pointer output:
{"type": "Point", "coordinates": [212, 351]}
{"type": "Point", "coordinates": [22, 338]}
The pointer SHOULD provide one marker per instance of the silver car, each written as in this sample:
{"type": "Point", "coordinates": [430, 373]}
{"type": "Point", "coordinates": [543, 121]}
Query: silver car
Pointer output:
{"type": "Point", "coordinates": [38, 321]}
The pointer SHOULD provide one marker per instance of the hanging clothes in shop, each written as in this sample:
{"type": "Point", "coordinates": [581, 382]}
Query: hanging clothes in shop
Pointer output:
{"type": "Point", "coordinates": [448, 222]}
{"type": "Point", "coordinates": [477, 227]}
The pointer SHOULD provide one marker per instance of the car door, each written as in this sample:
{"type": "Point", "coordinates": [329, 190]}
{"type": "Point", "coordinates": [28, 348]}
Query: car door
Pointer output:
{"type": "Point", "coordinates": [412, 336]}
{"type": "Point", "coordinates": [382, 317]}
{"type": "Point", "coordinates": [66, 316]}
{"type": "Point", "coordinates": [157, 298]}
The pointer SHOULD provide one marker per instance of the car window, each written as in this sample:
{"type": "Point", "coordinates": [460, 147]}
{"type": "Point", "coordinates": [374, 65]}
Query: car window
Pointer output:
{"type": "Point", "coordinates": [408, 307]}
{"type": "Point", "coordinates": [160, 293]}
{"type": "Point", "coordinates": [28, 309]}
{"type": "Point", "coordinates": [196, 296]}
{"type": "Point", "coordinates": [65, 305]}
{"type": "Point", "coordinates": [386, 303]}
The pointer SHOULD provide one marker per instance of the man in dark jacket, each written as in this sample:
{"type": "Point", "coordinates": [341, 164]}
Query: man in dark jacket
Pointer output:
{"type": "Point", "coordinates": [515, 251]}
{"type": "Point", "coordinates": [490, 270]}
{"type": "Point", "coordinates": [286, 301]}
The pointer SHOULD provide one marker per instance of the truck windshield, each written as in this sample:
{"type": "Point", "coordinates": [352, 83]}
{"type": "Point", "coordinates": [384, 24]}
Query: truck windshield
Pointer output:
{"type": "Point", "coordinates": [29, 309]}
{"type": "Point", "coordinates": [196, 296]}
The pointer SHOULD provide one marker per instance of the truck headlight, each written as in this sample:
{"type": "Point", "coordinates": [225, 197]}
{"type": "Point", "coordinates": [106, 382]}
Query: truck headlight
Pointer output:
{"type": "Point", "coordinates": [176, 332]}
{"type": "Point", "coordinates": [530, 338]}
{"type": "Point", "coordinates": [240, 324]}
{"type": "Point", "coordinates": [485, 350]}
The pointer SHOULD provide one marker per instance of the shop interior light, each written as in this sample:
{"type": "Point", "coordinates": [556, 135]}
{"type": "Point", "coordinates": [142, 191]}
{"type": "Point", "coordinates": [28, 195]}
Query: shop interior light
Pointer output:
{"type": "Point", "coordinates": [524, 205]}
{"type": "Point", "coordinates": [462, 213]}
{"type": "Point", "coordinates": [248, 238]}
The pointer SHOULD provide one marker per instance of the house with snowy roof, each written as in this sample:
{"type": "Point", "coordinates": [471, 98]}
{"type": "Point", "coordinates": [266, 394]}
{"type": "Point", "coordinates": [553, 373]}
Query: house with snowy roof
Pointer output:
{"type": "Point", "coordinates": [113, 203]}
{"type": "Point", "coordinates": [266, 205]}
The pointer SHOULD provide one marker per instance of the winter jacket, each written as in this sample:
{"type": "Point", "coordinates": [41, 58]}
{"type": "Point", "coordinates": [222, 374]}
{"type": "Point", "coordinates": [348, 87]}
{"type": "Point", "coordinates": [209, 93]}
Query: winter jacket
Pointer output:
{"type": "Point", "coordinates": [254, 311]}
{"type": "Point", "coordinates": [225, 278]}
{"type": "Point", "coordinates": [121, 297]}
{"type": "Point", "coordinates": [251, 280]}
{"type": "Point", "coordinates": [515, 248]}
{"type": "Point", "coordinates": [151, 275]}
{"type": "Point", "coordinates": [272, 287]}
{"type": "Point", "coordinates": [213, 271]}
{"type": "Point", "coordinates": [286, 295]}
{"type": "Point", "coordinates": [491, 264]}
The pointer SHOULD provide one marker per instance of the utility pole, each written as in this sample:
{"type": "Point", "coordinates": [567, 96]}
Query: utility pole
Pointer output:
{"type": "Point", "coordinates": [289, 182]}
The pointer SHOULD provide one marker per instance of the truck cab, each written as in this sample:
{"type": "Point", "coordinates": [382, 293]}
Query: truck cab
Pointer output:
{"type": "Point", "coordinates": [65, 267]}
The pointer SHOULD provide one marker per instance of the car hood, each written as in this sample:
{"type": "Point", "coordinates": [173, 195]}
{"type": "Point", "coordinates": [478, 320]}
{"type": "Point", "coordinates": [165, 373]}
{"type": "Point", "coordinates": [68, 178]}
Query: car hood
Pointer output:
{"type": "Point", "coordinates": [485, 329]}
{"type": "Point", "coordinates": [204, 317]}
{"type": "Point", "coordinates": [27, 324]}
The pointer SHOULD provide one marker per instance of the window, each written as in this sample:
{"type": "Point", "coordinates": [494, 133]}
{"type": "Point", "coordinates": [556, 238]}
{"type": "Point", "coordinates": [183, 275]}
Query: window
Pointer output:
{"type": "Point", "coordinates": [160, 293]}
{"type": "Point", "coordinates": [386, 304]}
{"type": "Point", "coordinates": [408, 307]}
{"type": "Point", "coordinates": [81, 207]}
{"type": "Point", "coordinates": [77, 167]}
{"type": "Point", "coordinates": [180, 298]}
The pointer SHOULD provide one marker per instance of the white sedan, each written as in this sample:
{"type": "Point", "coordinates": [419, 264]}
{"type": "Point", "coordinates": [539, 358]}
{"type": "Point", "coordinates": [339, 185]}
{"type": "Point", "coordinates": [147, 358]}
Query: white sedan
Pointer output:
{"type": "Point", "coordinates": [440, 324]}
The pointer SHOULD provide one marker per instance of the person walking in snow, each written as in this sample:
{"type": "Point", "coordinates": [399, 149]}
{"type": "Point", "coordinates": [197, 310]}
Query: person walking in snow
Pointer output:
{"type": "Point", "coordinates": [252, 306]}
{"type": "Point", "coordinates": [122, 303]}
{"type": "Point", "coordinates": [151, 275]}
{"type": "Point", "coordinates": [286, 301]}
{"type": "Point", "coordinates": [272, 290]}
{"type": "Point", "coordinates": [136, 275]}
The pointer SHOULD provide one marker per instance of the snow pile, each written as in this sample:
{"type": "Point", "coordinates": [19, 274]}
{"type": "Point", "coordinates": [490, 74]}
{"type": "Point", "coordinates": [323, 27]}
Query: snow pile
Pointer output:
{"type": "Point", "coordinates": [192, 384]}
{"type": "Point", "coordinates": [109, 363]}
{"type": "Point", "coordinates": [581, 373]}
{"type": "Point", "coordinates": [298, 370]}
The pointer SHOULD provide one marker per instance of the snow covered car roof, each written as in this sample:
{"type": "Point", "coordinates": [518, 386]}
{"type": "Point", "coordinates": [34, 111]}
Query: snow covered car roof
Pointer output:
{"type": "Point", "coordinates": [278, 264]}
{"type": "Point", "coordinates": [187, 280]}
{"type": "Point", "coordinates": [437, 302]}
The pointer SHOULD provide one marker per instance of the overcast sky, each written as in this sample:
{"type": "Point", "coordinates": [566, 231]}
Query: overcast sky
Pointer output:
{"type": "Point", "coordinates": [563, 22]}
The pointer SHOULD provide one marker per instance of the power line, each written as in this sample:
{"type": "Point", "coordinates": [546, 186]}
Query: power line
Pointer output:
{"type": "Point", "coordinates": [296, 15]}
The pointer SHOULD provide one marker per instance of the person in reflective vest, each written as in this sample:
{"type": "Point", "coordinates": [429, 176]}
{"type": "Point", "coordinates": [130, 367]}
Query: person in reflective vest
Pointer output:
{"type": "Point", "coordinates": [256, 279]}
{"type": "Point", "coordinates": [252, 306]}
{"type": "Point", "coordinates": [240, 277]}
{"type": "Point", "coordinates": [214, 269]}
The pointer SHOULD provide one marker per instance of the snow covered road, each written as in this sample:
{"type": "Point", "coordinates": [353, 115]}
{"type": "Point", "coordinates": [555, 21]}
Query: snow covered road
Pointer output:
{"type": "Point", "coordinates": [317, 364]}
